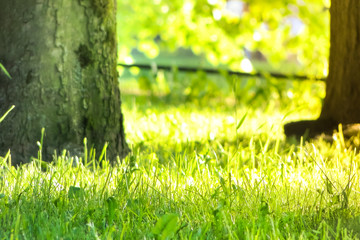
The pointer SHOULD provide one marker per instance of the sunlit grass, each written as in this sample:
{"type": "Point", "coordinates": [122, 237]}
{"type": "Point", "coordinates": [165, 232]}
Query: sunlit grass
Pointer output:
{"type": "Point", "coordinates": [196, 171]}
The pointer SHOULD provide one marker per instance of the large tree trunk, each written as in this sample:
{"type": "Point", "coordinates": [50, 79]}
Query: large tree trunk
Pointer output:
{"type": "Point", "coordinates": [342, 101]}
{"type": "Point", "coordinates": [62, 57]}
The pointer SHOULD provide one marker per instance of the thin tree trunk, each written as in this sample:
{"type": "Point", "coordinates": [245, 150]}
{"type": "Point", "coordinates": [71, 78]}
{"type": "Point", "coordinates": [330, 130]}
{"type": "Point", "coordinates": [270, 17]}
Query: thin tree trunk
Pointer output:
{"type": "Point", "coordinates": [62, 58]}
{"type": "Point", "coordinates": [342, 101]}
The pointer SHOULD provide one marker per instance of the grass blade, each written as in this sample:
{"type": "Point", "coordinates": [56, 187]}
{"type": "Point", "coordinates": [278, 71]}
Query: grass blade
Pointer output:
{"type": "Point", "coordinates": [8, 111]}
{"type": "Point", "coordinates": [241, 121]}
{"type": "Point", "coordinates": [5, 71]}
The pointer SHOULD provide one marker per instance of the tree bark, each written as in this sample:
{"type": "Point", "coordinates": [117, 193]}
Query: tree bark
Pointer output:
{"type": "Point", "coordinates": [342, 101]}
{"type": "Point", "coordinates": [62, 57]}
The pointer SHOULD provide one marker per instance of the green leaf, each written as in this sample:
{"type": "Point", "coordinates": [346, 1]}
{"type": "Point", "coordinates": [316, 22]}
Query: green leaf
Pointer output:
{"type": "Point", "coordinates": [111, 203]}
{"type": "Point", "coordinates": [111, 206]}
{"type": "Point", "coordinates": [264, 209]}
{"type": "Point", "coordinates": [166, 226]}
{"type": "Point", "coordinates": [329, 186]}
{"type": "Point", "coordinates": [5, 71]}
{"type": "Point", "coordinates": [74, 192]}
{"type": "Point", "coordinates": [336, 199]}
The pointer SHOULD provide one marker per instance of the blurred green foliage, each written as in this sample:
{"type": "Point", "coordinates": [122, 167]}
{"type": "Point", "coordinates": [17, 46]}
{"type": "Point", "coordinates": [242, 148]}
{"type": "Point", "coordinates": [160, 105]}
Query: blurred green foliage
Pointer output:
{"type": "Point", "coordinates": [201, 89]}
{"type": "Point", "coordinates": [283, 30]}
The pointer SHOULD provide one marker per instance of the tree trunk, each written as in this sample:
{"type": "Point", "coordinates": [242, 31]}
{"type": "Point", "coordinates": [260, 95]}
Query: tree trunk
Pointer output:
{"type": "Point", "coordinates": [62, 57]}
{"type": "Point", "coordinates": [342, 101]}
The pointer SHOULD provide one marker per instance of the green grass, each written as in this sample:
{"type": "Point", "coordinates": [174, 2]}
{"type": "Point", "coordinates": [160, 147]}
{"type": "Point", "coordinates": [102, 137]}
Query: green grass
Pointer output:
{"type": "Point", "coordinates": [198, 170]}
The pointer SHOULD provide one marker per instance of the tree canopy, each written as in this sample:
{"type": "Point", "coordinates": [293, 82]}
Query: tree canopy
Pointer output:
{"type": "Point", "coordinates": [224, 31]}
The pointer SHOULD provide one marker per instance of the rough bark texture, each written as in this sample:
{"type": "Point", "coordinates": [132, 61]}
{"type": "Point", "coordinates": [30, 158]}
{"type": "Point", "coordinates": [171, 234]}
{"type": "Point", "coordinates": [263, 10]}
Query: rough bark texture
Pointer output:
{"type": "Point", "coordinates": [342, 101]}
{"type": "Point", "coordinates": [62, 58]}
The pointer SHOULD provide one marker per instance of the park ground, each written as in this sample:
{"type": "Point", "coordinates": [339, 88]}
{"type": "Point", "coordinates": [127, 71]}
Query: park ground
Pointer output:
{"type": "Point", "coordinates": [207, 162]}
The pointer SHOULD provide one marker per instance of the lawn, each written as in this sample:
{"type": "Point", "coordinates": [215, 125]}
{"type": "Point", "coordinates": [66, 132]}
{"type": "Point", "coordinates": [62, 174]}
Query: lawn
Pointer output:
{"type": "Point", "coordinates": [201, 167]}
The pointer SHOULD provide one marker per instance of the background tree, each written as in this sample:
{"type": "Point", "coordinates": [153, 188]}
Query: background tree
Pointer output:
{"type": "Point", "coordinates": [62, 58]}
{"type": "Point", "coordinates": [342, 101]}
